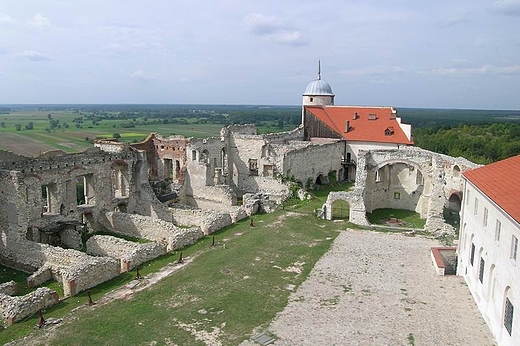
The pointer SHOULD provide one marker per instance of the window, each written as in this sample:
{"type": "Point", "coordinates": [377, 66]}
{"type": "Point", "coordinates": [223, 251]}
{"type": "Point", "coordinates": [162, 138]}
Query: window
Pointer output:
{"type": "Point", "coordinates": [475, 207]}
{"type": "Point", "coordinates": [472, 254]}
{"type": "Point", "coordinates": [481, 270]}
{"type": "Point", "coordinates": [498, 228]}
{"type": "Point", "coordinates": [397, 195]}
{"type": "Point", "coordinates": [378, 176]}
{"type": "Point", "coordinates": [467, 197]}
{"type": "Point", "coordinates": [194, 155]}
{"type": "Point", "coordinates": [508, 316]}
{"type": "Point", "coordinates": [485, 219]}
{"type": "Point", "coordinates": [253, 167]}
{"type": "Point", "coordinates": [514, 247]}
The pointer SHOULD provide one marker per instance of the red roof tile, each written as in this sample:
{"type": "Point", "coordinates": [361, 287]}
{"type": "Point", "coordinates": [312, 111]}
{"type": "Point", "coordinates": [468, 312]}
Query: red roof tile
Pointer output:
{"type": "Point", "coordinates": [361, 128]}
{"type": "Point", "coordinates": [498, 182]}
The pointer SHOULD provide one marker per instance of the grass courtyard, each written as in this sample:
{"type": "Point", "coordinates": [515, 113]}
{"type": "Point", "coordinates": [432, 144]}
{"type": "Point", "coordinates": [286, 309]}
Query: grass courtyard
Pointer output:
{"type": "Point", "coordinates": [230, 291]}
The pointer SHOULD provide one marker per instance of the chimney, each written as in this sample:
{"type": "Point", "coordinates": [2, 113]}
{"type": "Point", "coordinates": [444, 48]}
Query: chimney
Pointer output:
{"type": "Point", "coordinates": [355, 116]}
{"type": "Point", "coordinates": [347, 126]}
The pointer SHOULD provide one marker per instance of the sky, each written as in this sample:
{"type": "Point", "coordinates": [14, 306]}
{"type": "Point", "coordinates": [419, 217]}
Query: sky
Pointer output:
{"type": "Point", "coordinates": [403, 53]}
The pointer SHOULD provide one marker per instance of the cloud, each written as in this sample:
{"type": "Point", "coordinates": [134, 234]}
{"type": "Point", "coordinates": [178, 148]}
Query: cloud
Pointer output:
{"type": "Point", "coordinates": [507, 7]}
{"type": "Point", "coordinates": [482, 70]}
{"type": "Point", "coordinates": [373, 71]}
{"type": "Point", "coordinates": [273, 28]}
{"type": "Point", "coordinates": [5, 19]}
{"type": "Point", "coordinates": [140, 75]}
{"type": "Point", "coordinates": [34, 56]}
{"type": "Point", "coordinates": [39, 22]}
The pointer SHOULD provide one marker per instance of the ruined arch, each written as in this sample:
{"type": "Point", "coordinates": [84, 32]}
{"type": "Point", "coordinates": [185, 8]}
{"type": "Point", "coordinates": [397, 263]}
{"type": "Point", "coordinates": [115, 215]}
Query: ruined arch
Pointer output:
{"type": "Point", "coordinates": [451, 211]}
{"type": "Point", "coordinates": [340, 209]}
{"type": "Point", "coordinates": [397, 184]}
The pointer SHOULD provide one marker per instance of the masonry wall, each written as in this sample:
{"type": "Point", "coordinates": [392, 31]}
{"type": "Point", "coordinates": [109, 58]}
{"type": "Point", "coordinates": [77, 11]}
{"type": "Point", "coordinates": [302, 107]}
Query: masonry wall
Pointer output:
{"type": "Point", "coordinates": [13, 309]}
{"type": "Point", "coordinates": [129, 254]}
{"type": "Point", "coordinates": [139, 226]}
{"type": "Point", "coordinates": [309, 162]}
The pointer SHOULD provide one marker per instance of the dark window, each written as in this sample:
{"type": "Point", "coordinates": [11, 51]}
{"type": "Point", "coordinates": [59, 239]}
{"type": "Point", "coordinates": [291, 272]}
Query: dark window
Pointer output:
{"type": "Point", "coordinates": [481, 271]}
{"type": "Point", "coordinates": [472, 255]}
{"type": "Point", "coordinates": [508, 316]}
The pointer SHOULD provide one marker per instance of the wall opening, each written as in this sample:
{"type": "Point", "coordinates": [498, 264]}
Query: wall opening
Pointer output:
{"type": "Point", "coordinates": [451, 211]}
{"type": "Point", "coordinates": [340, 210]}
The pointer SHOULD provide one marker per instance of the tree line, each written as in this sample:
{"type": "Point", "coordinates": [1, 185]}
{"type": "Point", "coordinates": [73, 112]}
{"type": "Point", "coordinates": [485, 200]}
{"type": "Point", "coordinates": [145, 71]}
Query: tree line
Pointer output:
{"type": "Point", "coordinates": [480, 143]}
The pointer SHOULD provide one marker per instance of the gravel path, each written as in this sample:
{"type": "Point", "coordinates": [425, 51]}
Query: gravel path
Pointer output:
{"type": "Point", "coordinates": [380, 289]}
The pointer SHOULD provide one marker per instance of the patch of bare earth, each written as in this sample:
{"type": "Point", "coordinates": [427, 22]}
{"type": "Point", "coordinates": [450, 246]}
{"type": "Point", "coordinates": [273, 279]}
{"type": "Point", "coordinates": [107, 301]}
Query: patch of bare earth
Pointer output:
{"type": "Point", "coordinates": [380, 289]}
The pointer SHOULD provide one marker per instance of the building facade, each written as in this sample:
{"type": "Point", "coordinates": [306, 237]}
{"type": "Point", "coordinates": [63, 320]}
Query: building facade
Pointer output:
{"type": "Point", "coordinates": [488, 256]}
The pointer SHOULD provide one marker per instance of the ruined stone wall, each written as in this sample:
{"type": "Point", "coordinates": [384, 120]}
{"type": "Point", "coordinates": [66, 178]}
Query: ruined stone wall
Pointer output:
{"type": "Point", "coordinates": [9, 288]}
{"type": "Point", "coordinates": [207, 220]}
{"type": "Point", "coordinates": [423, 181]}
{"type": "Point", "coordinates": [285, 137]}
{"type": "Point", "coordinates": [129, 254]}
{"type": "Point", "coordinates": [13, 309]}
{"type": "Point", "coordinates": [139, 226]}
{"type": "Point", "coordinates": [309, 162]}
{"type": "Point", "coordinates": [76, 270]}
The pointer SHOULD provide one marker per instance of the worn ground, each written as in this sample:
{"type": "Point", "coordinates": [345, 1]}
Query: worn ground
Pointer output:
{"type": "Point", "coordinates": [380, 289]}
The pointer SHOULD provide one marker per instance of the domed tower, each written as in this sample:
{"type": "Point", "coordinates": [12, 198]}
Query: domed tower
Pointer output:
{"type": "Point", "coordinates": [317, 93]}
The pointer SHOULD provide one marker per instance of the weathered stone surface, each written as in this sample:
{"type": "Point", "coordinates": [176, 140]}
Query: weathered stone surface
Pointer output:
{"type": "Point", "coordinates": [129, 254]}
{"type": "Point", "coordinates": [13, 309]}
{"type": "Point", "coordinates": [9, 288]}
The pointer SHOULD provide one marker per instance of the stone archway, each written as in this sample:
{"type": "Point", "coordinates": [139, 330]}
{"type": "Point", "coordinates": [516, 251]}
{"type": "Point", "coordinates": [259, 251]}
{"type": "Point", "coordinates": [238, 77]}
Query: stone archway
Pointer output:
{"type": "Point", "coordinates": [451, 211]}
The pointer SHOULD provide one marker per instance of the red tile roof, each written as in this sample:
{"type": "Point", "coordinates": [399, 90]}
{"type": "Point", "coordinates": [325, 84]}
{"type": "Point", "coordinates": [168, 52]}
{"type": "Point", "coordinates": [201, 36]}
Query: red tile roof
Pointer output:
{"type": "Point", "coordinates": [361, 128]}
{"type": "Point", "coordinates": [498, 182]}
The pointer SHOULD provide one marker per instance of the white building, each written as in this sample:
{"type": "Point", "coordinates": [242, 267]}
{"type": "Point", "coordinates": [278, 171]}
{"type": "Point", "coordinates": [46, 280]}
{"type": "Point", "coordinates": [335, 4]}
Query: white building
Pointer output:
{"type": "Point", "coordinates": [488, 256]}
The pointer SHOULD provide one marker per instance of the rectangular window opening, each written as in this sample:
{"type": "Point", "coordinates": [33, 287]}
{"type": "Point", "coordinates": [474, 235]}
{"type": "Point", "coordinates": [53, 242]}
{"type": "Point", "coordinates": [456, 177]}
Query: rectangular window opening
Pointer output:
{"type": "Point", "coordinates": [481, 271]}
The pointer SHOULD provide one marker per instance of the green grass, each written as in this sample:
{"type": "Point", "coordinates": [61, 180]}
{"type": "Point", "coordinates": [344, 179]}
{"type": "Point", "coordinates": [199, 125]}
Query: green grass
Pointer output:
{"type": "Point", "coordinates": [319, 197]}
{"type": "Point", "coordinates": [410, 218]}
{"type": "Point", "coordinates": [239, 285]}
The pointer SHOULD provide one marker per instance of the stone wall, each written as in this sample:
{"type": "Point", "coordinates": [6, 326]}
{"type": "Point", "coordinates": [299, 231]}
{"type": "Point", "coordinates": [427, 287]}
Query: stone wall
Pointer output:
{"type": "Point", "coordinates": [129, 254]}
{"type": "Point", "coordinates": [309, 162]}
{"type": "Point", "coordinates": [13, 309]}
{"type": "Point", "coordinates": [9, 288]}
{"type": "Point", "coordinates": [407, 178]}
{"type": "Point", "coordinates": [144, 227]}
{"type": "Point", "coordinates": [76, 270]}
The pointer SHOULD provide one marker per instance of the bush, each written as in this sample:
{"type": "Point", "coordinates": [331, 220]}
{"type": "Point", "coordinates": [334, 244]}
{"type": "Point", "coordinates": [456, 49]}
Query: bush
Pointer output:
{"type": "Point", "coordinates": [116, 135]}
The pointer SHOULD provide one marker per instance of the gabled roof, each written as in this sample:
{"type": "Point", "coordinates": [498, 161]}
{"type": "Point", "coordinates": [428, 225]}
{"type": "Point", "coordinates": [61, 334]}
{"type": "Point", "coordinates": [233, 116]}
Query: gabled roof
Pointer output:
{"type": "Point", "coordinates": [366, 124]}
{"type": "Point", "coordinates": [499, 182]}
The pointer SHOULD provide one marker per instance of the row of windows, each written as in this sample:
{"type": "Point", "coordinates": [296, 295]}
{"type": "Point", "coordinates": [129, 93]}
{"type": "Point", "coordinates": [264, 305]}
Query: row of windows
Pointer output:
{"type": "Point", "coordinates": [508, 306]}
{"type": "Point", "coordinates": [485, 217]}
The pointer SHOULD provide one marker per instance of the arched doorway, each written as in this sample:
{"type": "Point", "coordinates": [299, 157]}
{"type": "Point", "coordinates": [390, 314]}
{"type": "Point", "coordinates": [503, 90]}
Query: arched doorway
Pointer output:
{"type": "Point", "coordinates": [451, 212]}
{"type": "Point", "coordinates": [340, 210]}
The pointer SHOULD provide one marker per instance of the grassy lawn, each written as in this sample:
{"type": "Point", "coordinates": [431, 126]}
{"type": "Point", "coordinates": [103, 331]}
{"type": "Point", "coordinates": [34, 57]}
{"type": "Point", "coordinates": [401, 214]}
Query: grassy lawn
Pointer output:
{"type": "Point", "coordinates": [233, 290]}
{"type": "Point", "coordinates": [318, 198]}
{"type": "Point", "coordinates": [407, 218]}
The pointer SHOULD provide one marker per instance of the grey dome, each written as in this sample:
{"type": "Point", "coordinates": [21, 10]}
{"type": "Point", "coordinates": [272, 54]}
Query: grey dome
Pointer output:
{"type": "Point", "coordinates": [318, 87]}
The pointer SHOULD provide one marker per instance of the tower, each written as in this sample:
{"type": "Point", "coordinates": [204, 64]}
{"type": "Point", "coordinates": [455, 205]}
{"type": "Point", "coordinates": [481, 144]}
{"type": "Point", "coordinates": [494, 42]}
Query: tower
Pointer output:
{"type": "Point", "coordinates": [317, 93]}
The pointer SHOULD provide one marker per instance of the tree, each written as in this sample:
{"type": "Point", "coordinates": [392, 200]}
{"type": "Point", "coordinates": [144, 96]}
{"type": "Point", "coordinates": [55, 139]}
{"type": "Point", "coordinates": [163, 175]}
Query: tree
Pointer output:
{"type": "Point", "coordinates": [116, 135]}
{"type": "Point", "coordinates": [29, 126]}
{"type": "Point", "coordinates": [18, 127]}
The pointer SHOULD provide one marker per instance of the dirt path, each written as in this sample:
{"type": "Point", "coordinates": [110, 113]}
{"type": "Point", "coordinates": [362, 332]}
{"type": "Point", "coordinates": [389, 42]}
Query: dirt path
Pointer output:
{"type": "Point", "coordinates": [380, 289]}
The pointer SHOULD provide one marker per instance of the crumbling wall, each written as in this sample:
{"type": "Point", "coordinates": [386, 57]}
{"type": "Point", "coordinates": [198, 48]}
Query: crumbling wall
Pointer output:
{"type": "Point", "coordinates": [9, 288]}
{"type": "Point", "coordinates": [306, 164]}
{"type": "Point", "coordinates": [13, 309]}
{"type": "Point", "coordinates": [128, 253]}
{"type": "Point", "coordinates": [76, 270]}
{"type": "Point", "coordinates": [427, 193]}
{"type": "Point", "coordinates": [144, 227]}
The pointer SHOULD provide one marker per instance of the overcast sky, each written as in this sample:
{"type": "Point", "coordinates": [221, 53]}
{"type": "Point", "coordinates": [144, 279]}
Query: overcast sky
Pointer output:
{"type": "Point", "coordinates": [404, 53]}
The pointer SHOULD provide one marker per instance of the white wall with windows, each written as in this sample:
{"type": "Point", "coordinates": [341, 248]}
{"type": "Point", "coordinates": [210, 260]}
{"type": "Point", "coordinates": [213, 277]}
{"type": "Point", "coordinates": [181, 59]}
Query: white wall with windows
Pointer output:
{"type": "Point", "coordinates": [488, 259]}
